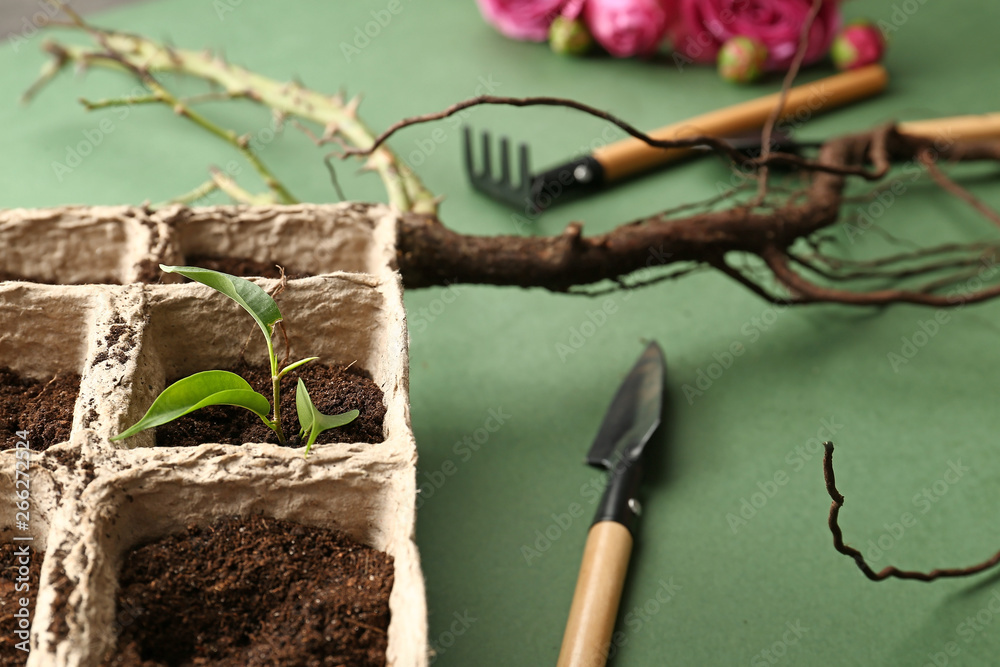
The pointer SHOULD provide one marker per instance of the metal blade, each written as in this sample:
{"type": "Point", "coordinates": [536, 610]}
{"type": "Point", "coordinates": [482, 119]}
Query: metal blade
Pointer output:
{"type": "Point", "coordinates": [634, 413]}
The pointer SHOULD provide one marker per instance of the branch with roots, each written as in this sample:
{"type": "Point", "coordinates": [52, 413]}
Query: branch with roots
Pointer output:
{"type": "Point", "coordinates": [788, 234]}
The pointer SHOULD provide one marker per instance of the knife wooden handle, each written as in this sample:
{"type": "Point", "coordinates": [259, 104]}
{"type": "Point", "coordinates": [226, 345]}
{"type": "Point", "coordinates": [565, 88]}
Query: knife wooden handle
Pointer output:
{"type": "Point", "coordinates": [956, 128]}
{"type": "Point", "coordinates": [598, 592]}
{"type": "Point", "coordinates": [631, 156]}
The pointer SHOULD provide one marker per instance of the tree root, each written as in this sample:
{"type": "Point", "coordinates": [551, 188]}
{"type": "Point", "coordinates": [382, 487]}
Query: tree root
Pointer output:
{"type": "Point", "coordinates": [859, 559]}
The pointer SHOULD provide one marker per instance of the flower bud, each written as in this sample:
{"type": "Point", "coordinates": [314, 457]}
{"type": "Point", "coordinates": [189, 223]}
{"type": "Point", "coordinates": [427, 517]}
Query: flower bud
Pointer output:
{"type": "Point", "coordinates": [570, 37]}
{"type": "Point", "coordinates": [741, 59]}
{"type": "Point", "coordinates": [860, 43]}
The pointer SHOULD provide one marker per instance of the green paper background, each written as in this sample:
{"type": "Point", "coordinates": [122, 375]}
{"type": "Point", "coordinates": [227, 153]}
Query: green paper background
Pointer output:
{"type": "Point", "coordinates": [806, 374]}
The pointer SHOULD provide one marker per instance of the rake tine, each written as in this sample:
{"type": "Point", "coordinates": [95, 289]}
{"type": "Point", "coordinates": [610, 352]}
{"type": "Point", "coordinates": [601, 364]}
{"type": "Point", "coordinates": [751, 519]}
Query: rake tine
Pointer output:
{"type": "Point", "coordinates": [524, 183]}
{"type": "Point", "coordinates": [504, 161]}
{"type": "Point", "coordinates": [487, 160]}
{"type": "Point", "coordinates": [470, 168]}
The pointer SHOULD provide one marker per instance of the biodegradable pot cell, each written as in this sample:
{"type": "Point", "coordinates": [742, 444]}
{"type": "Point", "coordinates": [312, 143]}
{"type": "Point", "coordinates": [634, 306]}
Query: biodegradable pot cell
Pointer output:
{"type": "Point", "coordinates": [254, 591]}
{"type": "Point", "coordinates": [77, 245]}
{"type": "Point", "coordinates": [127, 341]}
{"type": "Point", "coordinates": [125, 244]}
{"type": "Point", "coordinates": [48, 332]}
{"type": "Point", "coordinates": [164, 491]}
{"type": "Point", "coordinates": [303, 239]}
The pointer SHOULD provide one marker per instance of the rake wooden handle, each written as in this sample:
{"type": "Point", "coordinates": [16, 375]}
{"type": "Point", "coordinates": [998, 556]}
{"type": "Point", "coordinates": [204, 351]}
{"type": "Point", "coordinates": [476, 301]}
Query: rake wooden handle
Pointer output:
{"type": "Point", "coordinates": [956, 128]}
{"type": "Point", "coordinates": [598, 592]}
{"type": "Point", "coordinates": [631, 156]}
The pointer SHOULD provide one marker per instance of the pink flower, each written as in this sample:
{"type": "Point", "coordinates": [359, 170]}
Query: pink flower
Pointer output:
{"type": "Point", "coordinates": [522, 19]}
{"type": "Point", "coordinates": [704, 25]}
{"type": "Point", "coordinates": [628, 27]}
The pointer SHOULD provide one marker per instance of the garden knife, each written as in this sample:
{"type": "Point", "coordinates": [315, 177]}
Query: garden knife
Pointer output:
{"type": "Point", "coordinates": [629, 423]}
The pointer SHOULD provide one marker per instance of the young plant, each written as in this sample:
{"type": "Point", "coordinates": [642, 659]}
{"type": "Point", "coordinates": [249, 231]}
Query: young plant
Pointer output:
{"type": "Point", "coordinates": [224, 388]}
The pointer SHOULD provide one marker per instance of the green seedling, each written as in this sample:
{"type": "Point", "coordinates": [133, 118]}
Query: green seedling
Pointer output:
{"type": "Point", "coordinates": [224, 388]}
{"type": "Point", "coordinates": [314, 422]}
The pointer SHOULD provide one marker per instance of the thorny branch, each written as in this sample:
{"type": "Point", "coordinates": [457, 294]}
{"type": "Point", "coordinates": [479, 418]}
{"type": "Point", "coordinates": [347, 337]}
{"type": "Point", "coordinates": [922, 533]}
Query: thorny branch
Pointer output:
{"type": "Point", "coordinates": [145, 58]}
{"type": "Point", "coordinates": [642, 252]}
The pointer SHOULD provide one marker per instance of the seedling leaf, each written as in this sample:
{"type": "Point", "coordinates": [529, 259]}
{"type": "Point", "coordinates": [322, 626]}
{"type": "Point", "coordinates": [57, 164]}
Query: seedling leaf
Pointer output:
{"type": "Point", "coordinates": [291, 367]}
{"type": "Point", "coordinates": [254, 299]}
{"type": "Point", "coordinates": [199, 391]}
{"type": "Point", "coordinates": [312, 420]}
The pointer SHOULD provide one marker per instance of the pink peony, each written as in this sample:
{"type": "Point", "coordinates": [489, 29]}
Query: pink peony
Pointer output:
{"type": "Point", "coordinates": [628, 27]}
{"type": "Point", "coordinates": [704, 25]}
{"type": "Point", "coordinates": [522, 19]}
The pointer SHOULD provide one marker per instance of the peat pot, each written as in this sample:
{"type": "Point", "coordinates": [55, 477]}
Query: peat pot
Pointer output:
{"type": "Point", "coordinates": [81, 295]}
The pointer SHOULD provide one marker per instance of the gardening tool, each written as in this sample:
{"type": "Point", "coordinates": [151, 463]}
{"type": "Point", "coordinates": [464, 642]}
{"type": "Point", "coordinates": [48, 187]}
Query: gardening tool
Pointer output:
{"type": "Point", "coordinates": [615, 162]}
{"type": "Point", "coordinates": [954, 128]}
{"type": "Point", "coordinates": [942, 131]}
{"type": "Point", "coordinates": [629, 157]}
{"type": "Point", "coordinates": [629, 423]}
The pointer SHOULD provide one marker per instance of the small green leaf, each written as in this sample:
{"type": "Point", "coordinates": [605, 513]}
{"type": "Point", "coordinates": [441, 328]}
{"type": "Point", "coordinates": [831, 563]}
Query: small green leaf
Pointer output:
{"type": "Point", "coordinates": [312, 420]}
{"type": "Point", "coordinates": [199, 391]}
{"type": "Point", "coordinates": [254, 299]}
{"type": "Point", "coordinates": [304, 407]}
{"type": "Point", "coordinates": [291, 367]}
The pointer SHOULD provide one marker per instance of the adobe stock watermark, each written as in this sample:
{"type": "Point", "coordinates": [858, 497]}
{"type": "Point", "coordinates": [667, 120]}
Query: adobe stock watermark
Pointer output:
{"type": "Point", "coordinates": [927, 329]}
{"type": "Point", "coordinates": [585, 330]}
{"type": "Point", "coordinates": [463, 450]}
{"type": "Point", "coordinates": [901, 13]}
{"type": "Point", "coordinates": [33, 24]}
{"type": "Point", "coordinates": [967, 631]}
{"type": "Point", "coordinates": [869, 214]}
{"type": "Point", "coordinates": [544, 538]}
{"type": "Point", "coordinates": [75, 154]}
{"type": "Point", "coordinates": [795, 460]}
{"type": "Point", "coordinates": [426, 146]}
{"type": "Point", "coordinates": [364, 34]}
{"type": "Point", "coordinates": [459, 626]}
{"type": "Point", "coordinates": [590, 492]}
{"type": "Point", "coordinates": [426, 315]}
{"type": "Point", "coordinates": [751, 330]}
{"type": "Point", "coordinates": [641, 614]}
{"type": "Point", "coordinates": [922, 502]}
{"type": "Point", "coordinates": [596, 318]}
{"type": "Point", "coordinates": [223, 7]}
{"type": "Point", "coordinates": [778, 650]}
{"type": "Point", "coordinates": [23, 553]}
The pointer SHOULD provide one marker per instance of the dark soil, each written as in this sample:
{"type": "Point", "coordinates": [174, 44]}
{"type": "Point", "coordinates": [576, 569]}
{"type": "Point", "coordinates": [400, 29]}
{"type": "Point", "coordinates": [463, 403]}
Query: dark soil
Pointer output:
{"type": "Point", "coordinates": [44, 409]}
{"type": "Point", "coordinates": [9, 596]}
{"type": "Point", "coordinates": [244, 267]}
{"type": "Point", "coordinates": [333, 390]}
{"type": "Point", "coordinates": [249, 592]}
